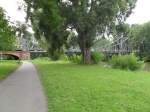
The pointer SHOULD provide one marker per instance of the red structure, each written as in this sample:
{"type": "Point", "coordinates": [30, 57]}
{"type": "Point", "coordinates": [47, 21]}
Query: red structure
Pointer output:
{"type": "Point", "coordinates": [23, 55]}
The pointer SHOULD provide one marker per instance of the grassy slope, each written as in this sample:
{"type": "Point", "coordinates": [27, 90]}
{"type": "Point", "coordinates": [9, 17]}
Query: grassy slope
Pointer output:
{"type": "Point", "coordinates": [6, 67]}
{"type": "Point", "coordinates": [77, 88]}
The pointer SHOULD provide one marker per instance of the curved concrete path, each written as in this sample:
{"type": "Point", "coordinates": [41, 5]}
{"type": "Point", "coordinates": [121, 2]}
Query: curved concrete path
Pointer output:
{"type": "Point", "coordinates": [22, 91]}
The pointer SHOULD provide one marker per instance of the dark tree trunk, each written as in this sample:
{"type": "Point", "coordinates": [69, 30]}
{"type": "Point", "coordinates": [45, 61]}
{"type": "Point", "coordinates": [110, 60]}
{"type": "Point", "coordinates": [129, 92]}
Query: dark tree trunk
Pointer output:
{"type": "Point", "coordinates": [85, 50]}
{"type": "Point", "coordinates": [86, 56]}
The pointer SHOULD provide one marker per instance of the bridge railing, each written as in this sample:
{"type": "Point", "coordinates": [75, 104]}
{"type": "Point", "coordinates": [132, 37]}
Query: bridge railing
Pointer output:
{"type": "Point", "coordinates": [24, 55]}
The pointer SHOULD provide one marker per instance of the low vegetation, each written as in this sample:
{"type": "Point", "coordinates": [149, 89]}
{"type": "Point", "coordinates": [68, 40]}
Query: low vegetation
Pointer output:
{"type": "Point", "coordinates": [7, 67]}
{"type": "Point", "coordinates": [96, 57]}
{"type": "Point", "coordinates": [127, 62]}
{"type": "Point", "coordinates": [75, 58]}
{"type": "Point", "coordinates": [93, 88]}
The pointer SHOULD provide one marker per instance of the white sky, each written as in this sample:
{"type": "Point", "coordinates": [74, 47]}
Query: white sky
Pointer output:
{"type": "Point", "coordinates": [11, 7]}
{"type": "Point", "coordinates": [141, 12]}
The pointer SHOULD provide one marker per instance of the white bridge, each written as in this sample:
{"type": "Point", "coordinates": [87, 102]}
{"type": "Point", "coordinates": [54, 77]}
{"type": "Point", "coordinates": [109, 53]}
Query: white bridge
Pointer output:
{"type": "Point", "coordinates": [122, 45]}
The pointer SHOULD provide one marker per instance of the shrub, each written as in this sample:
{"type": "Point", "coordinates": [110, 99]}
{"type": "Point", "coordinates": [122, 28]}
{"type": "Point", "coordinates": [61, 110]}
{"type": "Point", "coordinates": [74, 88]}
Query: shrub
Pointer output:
{"type": "Point", "coordinates": [75, 58]}
{"type": "Point", "coordinates": [128, 62]}
{"type": "Point", "coordinates": [97, 57]}
{"type": "Point", "coordinates": [64, 57]}
{"type": "Point", "coordinates": [54, 55]}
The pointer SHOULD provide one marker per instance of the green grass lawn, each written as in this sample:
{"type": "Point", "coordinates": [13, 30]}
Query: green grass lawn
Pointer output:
{"type": "Point", "coordinates": [78, 88]}
{"type": "Point", "coordinates": [7, 67]}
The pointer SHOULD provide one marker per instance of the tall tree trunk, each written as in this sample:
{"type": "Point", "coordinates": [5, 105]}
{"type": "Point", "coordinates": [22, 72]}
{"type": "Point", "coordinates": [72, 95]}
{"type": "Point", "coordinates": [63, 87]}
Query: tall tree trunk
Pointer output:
{"type": "Point", "coordinates": [86, 52]}
{"type": "Point", "coordinates": [86, 56]}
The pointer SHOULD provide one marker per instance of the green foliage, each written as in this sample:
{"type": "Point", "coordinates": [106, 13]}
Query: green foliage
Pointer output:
{"type": "Point", "coordinates": [34, 55]}
{"type": "Point", "coordinates": [72, 58]}
{"type": "Point", "coordinates": [140, 35]}
{"type": "Point", "coordinates": [75, 58]}
{"type": "Point", "coordinates": [95, 17]}
{"type": "Point", "coordinates": [64, 57]}
{"type": "Point", "coordinates": [128, 62]}
{"type": "Point", "coordinates": [7, 35]}
{"type": "Point", "coordinates": [97, 57]}
{"type": "Point", "coordinates": [72, 40]}
{"type": "Point", "coordinates": [47, 22]}
{"type": "Point", "coordinates": [101, 43]}
{"type": "Point", "coordinates": [54, 55]}
{"type": "Point", "coordinates": [22, 32]}
{"type": "Point", "coordinates": [51, 19]}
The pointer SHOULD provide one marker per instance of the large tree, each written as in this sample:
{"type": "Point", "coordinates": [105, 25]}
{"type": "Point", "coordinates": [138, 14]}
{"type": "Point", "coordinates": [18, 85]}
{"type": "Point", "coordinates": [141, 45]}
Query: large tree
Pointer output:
{"type": "Point", "coordinates": [7, 33]}
{"type": "Point", "coordinates": [47, 22]}
{"type": "Point", "coordinates": [87, 17]}
{"type": "Point", "coordinates": [140, 34]}
{"type": "Point", "coordinates": [24, 37]}
{"type": "Point", "coordinates": [91, 17]}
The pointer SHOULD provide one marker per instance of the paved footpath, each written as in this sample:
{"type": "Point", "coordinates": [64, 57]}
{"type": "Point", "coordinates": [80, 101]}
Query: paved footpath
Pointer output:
{"type": "Point", "coordinates": [22, 91]}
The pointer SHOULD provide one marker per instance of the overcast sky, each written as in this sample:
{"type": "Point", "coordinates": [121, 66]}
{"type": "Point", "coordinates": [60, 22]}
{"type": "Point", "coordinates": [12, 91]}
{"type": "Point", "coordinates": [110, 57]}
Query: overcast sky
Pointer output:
{"type": "Point", "coordinates": [141, 13]}
{"type": "Point", "coordinates": [11, 7]}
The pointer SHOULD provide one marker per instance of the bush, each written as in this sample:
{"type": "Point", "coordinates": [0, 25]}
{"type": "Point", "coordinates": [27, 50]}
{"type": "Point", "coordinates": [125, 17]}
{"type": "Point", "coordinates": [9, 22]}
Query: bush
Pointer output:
{"type": "Point", "coordinates": [54, 55]}
{"type": "Point", "coordinates": [97, 57]}
{"type": "Point", "coordinates": [75, 58]}
{"type": "Point", "coordinates": [64, 57]}
{"type": "Point", "coordinates": [128, 62]}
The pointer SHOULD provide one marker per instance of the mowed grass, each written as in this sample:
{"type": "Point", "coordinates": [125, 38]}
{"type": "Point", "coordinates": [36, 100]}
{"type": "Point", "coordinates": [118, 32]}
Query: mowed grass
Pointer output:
{"type": "Point", "coordinates": [7, 67]}
{"type": "Point", "coordinates": [79, 88]}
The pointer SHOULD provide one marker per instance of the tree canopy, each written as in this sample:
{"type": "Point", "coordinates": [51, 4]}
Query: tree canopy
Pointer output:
{"type": "Point", "coordinates": [47, 22]}
{"type": "Point", "coordinates": [7, 34]}
{"type": "Point", "coordinates": [140, 35]}
{"type": "Point", "coordinates": [89, 18]}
